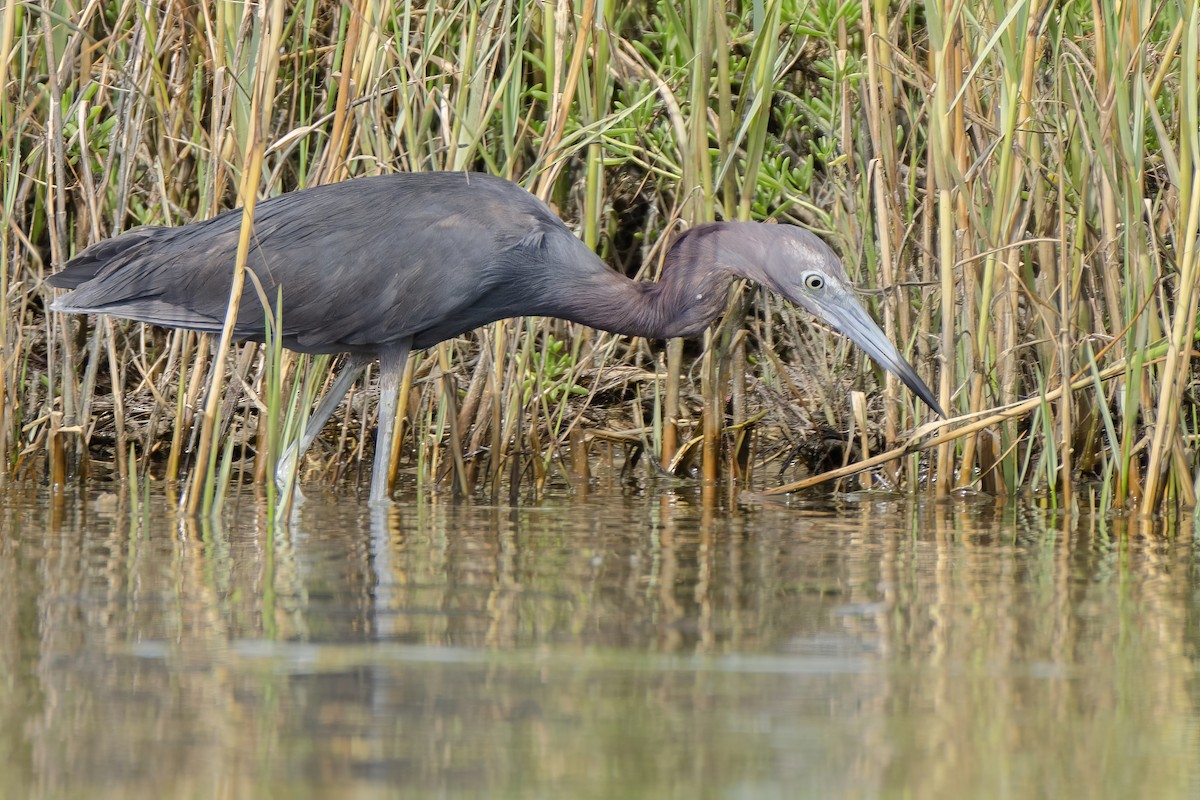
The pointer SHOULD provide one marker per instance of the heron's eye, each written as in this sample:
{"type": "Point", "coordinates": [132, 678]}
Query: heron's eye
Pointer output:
{"type": "Point", "coordinates": [814, 281]}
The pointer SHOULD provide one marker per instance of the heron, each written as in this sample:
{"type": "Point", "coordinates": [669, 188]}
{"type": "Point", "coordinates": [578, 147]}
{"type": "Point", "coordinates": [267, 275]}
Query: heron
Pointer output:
{"type": "Point", "coordinates": [376, 267]}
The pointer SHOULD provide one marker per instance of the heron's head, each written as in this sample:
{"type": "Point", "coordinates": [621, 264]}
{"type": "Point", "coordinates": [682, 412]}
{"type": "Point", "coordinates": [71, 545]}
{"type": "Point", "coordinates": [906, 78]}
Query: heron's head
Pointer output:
{"type": "Point", "coordinates": [798, 265]}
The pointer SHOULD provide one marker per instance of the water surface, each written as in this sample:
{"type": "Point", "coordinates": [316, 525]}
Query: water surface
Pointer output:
{"type": "Point", "coordinates": [615, 645]}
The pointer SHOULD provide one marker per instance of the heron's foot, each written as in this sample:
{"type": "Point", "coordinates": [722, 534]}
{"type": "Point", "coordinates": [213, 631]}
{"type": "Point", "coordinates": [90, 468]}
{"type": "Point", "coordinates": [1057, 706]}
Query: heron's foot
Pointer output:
{"type": "Point", "coordinates": [286, 476]}
{"type": "Point", "coordinates": [381, 495]}
{"type": "Point", "coordinates": [381, 500]}
{"type": "Point", "coordinates": [281, 487]}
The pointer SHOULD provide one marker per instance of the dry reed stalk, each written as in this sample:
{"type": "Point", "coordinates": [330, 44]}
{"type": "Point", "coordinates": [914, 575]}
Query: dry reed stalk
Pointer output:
{"type": "Point", "coordinates": [882, 173]}
{"type": "Point", "coordinates": [270, 23]}
{"type": "Point", "coordinates": [699, 206]}
{"type": "Point", "coordinates": [1175, 374]}
{"type": "Point", "coordinates": [942, 158]}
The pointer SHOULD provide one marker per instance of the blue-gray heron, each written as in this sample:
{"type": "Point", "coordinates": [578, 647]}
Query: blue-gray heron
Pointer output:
{"type": "Point", "coordinates": [375, 267]}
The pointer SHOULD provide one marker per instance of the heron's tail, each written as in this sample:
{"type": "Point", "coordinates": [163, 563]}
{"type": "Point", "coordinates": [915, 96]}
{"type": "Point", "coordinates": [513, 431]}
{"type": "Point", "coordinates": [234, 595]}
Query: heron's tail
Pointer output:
{"type": "Point", "coordinates": [108, 255]}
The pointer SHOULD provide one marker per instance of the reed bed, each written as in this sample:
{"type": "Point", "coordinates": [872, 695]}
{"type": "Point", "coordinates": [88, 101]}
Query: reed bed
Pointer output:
{"type": "Point", "coordinates": [1018, 184]}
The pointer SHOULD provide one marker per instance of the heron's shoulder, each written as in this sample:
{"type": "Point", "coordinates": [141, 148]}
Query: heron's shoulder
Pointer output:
{"type": "Point", "coordinates": [487, 198]}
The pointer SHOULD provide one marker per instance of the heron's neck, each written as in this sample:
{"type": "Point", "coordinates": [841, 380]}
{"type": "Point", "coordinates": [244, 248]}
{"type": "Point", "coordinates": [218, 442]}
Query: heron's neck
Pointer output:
{"type": "Point", "coordinates": [691, 292]}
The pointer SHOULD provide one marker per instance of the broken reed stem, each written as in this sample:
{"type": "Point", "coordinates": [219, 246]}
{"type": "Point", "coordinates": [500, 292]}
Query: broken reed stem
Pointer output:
{"type": "Point", "coordinates": [995, 416]}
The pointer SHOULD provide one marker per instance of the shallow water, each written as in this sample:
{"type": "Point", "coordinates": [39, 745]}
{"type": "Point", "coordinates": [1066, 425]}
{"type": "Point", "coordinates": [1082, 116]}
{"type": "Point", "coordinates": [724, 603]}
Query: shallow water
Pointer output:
{"type": "Point", "coordinates": [617, 645]}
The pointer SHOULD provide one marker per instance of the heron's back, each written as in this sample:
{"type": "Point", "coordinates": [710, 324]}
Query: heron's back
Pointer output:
{"type": "Point", "coordinates": [360, 264]}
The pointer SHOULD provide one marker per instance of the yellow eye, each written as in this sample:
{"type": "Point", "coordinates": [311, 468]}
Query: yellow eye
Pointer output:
{"type": "Point", "coordinates": [814, 281]}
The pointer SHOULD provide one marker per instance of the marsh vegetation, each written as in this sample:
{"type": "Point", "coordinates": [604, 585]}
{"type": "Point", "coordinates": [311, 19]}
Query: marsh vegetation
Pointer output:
{"type": "Point", "coordinates": [1017, 184]}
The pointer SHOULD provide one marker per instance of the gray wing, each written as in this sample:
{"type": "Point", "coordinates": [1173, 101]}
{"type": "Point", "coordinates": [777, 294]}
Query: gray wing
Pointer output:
{"type": "Point", "coordinates": [360, 264]}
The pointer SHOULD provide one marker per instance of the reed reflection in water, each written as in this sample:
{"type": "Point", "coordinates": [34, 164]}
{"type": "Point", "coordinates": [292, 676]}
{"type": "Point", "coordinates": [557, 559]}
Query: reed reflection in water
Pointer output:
{"type": "Point", "coordinates": [612, 645]}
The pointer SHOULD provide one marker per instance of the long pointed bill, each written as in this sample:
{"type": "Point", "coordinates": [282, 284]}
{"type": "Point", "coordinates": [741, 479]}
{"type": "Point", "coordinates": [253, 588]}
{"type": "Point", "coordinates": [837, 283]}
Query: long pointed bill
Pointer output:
{"type": "Point", "coordinates": [852, 320]}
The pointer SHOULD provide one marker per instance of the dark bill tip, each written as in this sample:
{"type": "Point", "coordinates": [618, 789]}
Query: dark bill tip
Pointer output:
{"type": "Point", "coordinates": [854, 322]}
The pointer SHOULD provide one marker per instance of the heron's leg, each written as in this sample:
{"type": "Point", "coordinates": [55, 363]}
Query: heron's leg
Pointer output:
{"type": "Point", "coordinates": [391, 373]}
{"type": "Point", "coordinates": [285, 470]}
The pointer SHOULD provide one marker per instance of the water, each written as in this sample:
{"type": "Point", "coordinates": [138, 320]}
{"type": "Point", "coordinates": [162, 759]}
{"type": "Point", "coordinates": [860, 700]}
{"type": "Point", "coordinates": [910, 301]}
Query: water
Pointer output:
{"type": "Point", "coordinates": [615, 645]}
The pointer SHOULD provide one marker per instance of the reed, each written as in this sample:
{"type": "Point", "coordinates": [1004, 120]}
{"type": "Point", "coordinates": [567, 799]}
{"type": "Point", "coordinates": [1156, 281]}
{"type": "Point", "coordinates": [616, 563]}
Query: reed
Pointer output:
{"type": "Point", "coordinates": [1021, 179]}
